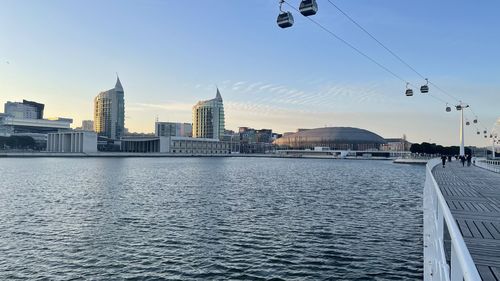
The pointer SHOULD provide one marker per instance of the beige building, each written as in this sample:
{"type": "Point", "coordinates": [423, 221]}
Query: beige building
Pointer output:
{"type": "Point", "coordinates": [208, 118]}
{"type": "Point", "coordinates": [109, 112]}
{"type": "Point", "coordinates": [88, 125]}
{"type": "Point", "coordinates": [396, 144]}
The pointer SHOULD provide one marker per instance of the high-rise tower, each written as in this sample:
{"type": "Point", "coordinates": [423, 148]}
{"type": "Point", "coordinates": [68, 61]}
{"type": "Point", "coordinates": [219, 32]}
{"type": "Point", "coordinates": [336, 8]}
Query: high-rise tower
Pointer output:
{"type": "Point", "coordinates": [109, 112]}
{"type": "Point", "coordinates": [208, 118]}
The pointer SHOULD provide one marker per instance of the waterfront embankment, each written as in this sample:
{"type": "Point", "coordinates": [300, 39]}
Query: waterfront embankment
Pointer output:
{"type": "Point", "coordinates": [152, 155]}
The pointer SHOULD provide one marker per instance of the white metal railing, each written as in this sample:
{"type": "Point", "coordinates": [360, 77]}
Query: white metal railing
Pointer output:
{"type": "Point", "coordinates": [492, 165]}
{"type": "Point", "coordinates": [436, 216]}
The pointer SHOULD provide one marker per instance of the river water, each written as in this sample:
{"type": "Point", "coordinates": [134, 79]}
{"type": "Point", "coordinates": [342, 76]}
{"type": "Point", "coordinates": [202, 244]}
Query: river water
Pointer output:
{"type": "Point", "coordinates": [209, 219]}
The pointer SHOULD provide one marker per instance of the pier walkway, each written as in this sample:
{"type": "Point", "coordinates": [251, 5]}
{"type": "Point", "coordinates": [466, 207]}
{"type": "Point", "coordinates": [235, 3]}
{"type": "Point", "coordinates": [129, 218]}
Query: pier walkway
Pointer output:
{"type": "Point", "coordinates": [473, 197]}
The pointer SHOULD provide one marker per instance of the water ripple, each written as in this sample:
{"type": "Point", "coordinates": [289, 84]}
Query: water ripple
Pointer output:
{"type": "Point", "coordinates": [209, 219]}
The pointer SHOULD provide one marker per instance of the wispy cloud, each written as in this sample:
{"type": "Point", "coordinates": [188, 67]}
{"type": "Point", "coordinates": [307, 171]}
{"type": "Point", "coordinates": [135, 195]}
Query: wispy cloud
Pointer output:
{"type": "Point", "coordinates": [173, 106]}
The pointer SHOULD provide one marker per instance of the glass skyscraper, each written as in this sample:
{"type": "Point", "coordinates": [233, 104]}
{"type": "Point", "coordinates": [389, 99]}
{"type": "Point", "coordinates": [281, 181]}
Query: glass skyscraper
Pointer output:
{"type": "Point", "coordinates": [109, 112]}
{"type": "Point", "coordinates": [208, 118]}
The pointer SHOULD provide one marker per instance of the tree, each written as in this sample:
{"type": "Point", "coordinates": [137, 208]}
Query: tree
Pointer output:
{"type": "Point", "coordinates": [17, 142]}
{"type": "Point", "coordinates": [416, 148]}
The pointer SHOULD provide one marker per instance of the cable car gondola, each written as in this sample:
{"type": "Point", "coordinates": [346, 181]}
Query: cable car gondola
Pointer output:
{"type": "Point", "coordinates": [409, 92]}
{"type": "Point", "coordinates": [308, 7]}
{"type": "Point", "coordinates": [478, 132]}
{"type": "Point", "coordinates": [475, 120]}
{"type": "Point", "coordinates": [285, 19]}
{"type": "Point", "coordinates": [467, 123]}
{"type": "Point", "coordinates": [425, 88]}
{"type": "Point", "coordinates": [448, 109]}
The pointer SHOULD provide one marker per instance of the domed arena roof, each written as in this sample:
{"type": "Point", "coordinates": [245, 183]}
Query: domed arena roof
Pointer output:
{"type": "Point", "coordinates": [329, 136]}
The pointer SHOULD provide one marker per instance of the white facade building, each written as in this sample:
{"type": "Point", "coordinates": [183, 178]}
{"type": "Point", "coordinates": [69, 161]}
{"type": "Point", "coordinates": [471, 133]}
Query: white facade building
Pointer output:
{"type": "Point", "coordinates": [12, 125]}
{"type": "Point", "coordinates": [72, 142]}
{"type": "Point", "coordinates": [198, 146]}
{"type": "Point", "coordinates": [175, 145]}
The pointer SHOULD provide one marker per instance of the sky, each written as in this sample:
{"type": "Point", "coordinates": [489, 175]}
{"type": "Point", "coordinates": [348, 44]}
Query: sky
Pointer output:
{"type": "Point", "coordinates": [171, 54]}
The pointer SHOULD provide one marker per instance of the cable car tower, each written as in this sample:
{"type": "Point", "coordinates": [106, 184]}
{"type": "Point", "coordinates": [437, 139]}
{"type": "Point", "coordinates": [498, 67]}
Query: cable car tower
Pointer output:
{"type": "Point", "coordinates": [494, 134]}
{"type": "Point", "coordinates": [461, 106]}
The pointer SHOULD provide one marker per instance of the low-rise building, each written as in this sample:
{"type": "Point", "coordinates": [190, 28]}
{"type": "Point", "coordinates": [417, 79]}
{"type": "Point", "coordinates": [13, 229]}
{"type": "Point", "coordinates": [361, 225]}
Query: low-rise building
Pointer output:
{"type": "Point", "coordinates": [173, 129]}
{"type": "Point", "coordinates": [11, 125]}
{"type": "Point", "coordinates": [396, 144]}
{"type": "Point", "coordinates": [255, 141]}
{"type": "Point", "coordinates": [175, 145]}
{"type": "Point", "coordinates": [198, 146]}
{"type": "Point", "coordinates": [72, 142]}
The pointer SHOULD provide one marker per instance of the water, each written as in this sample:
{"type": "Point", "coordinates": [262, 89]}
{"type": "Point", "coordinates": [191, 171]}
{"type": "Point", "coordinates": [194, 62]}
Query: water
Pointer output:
{"type": "Point", "coordinates": [209, 219]}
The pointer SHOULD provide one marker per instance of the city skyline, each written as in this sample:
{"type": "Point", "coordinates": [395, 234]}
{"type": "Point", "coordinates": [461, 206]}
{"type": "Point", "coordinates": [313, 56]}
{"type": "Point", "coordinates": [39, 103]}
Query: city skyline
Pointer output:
{"type": "Point", "coordinates": [271, 78]}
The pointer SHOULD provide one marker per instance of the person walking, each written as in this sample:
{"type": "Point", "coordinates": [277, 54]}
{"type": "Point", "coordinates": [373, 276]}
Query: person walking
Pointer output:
{"type": "Point", "coordinates": [462, 159]}
{"type": "Point", "coordinates": [449, 158]}
{"type": "Point", "coordinates": [443, 160]}
{"type": "Point", "coordinates": [469, 160]}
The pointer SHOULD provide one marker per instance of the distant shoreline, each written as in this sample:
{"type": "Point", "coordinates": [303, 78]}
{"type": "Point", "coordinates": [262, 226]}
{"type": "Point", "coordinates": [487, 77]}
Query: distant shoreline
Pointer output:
{"type": "Point", "coordinates": [155, 155]}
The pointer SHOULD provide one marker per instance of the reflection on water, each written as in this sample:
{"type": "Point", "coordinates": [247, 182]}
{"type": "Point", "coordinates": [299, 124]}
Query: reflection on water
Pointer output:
{"type": "Point", "coordinates": [210, 218]}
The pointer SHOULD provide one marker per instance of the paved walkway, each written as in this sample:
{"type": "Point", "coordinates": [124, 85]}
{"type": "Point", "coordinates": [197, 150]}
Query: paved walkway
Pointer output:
{"type": "Point", "coordinates": [473, 196]}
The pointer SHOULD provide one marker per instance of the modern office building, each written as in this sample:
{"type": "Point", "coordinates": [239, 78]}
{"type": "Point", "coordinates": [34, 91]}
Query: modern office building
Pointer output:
{"type": "Point", "coordinates": [109, 112]}
{"type": "Point", "coordinates": [335, 138]}
{"type": "Point", "coordinates": [208, 118]}
{"type": "Point", "coordinates": [24, 110]}
{"type": "Point", "coordinates": [173, 129]}
{"type": "Point", "coordinates": [72, 142]}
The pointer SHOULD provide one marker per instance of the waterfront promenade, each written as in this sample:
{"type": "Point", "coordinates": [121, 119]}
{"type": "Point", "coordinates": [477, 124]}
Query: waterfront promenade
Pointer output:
{"type": "Point", "coordinates": [473, 196]}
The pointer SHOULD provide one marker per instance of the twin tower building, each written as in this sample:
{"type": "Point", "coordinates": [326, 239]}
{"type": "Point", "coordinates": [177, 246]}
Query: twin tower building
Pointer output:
{"type": "Point", "coordinates": [109, 115]}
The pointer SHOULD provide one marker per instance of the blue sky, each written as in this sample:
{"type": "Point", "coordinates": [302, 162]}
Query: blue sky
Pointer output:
{"type": "Point", "coordinates": [170, 54]}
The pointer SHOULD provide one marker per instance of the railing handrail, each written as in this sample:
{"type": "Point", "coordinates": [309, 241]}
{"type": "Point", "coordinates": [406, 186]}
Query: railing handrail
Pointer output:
{"type": "Point", "coordinates": [488, 164]}
{"type": "Point", "coordinates": [467, 266]}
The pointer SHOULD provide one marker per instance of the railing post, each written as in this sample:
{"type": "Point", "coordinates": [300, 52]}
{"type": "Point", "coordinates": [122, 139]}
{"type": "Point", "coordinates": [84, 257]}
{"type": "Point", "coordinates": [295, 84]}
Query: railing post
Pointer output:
{"type": "Point", "coordinates": [439, 219]}
{"type": "Point", "coordinates": [456, 270]}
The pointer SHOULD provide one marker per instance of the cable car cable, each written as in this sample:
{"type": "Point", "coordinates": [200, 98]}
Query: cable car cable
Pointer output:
{"type": "Point", "coordinates": [389, 50]}
{"type": "Point", "coordinates": [376, 40]}
{"type": "Point", "coordinates": [475, 121]}
{"type": "Point", "coordinates": [362, 53]}
{"type": "Point", "coordinates": [351, 46]}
